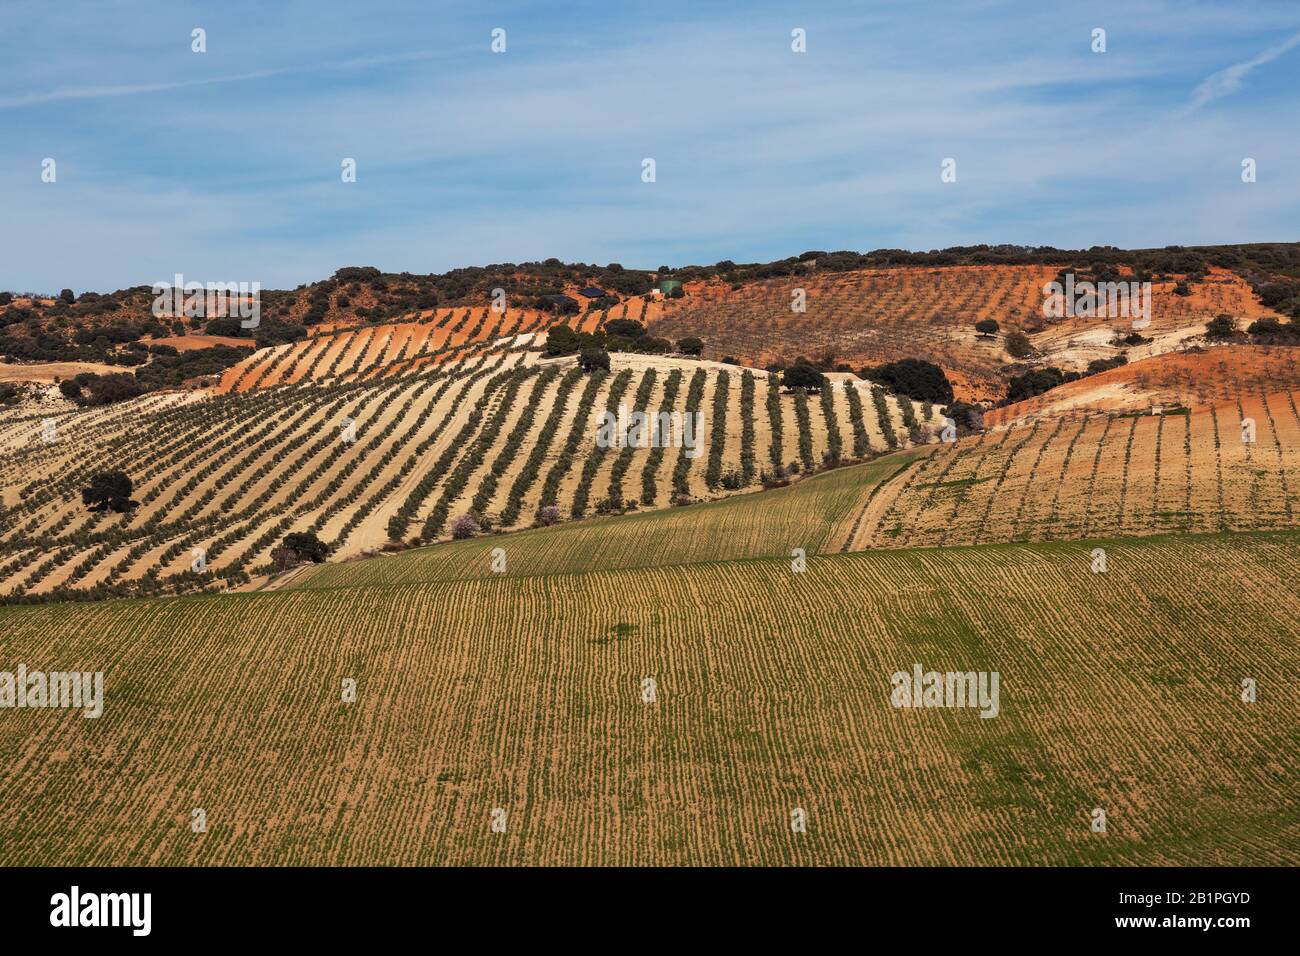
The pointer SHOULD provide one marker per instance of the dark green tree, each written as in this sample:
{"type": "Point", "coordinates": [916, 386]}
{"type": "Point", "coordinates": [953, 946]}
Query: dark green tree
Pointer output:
{"type": "Point", "coordinates": [108, 490]}
{"type": "Point", "coordinates": [805, 376]}
{"type": "Point", "coordinates": [592, 359]}
{"type": "Point", "coordinates": [306, 546]}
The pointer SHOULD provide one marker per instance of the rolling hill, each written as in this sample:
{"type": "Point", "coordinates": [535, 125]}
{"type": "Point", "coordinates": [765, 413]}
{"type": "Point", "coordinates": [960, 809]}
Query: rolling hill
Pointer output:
{"type": "Point", "coordinates": [569, 652]}
{"type": "Point", "coordinates": [386, 435]}
{"type": "Point", "coordinates": [864, 318]}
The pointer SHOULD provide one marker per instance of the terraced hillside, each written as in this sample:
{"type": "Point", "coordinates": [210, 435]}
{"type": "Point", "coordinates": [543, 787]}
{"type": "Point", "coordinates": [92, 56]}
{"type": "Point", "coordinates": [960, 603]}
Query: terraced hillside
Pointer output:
{"type": "Point", "coordinates": [871, 316]}
{"type": "Point", "coordinates": [391, 433]}
{"type": "Point", "coordinates": [522, 701]}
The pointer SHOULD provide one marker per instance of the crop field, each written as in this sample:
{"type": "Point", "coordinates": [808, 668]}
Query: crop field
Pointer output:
{"type": "Point", "coordinates": [814, 514]}
{"type": "Point", "coordinates": [523, 702]}
{"type": "Point", "coordinates": [364, 456]}
{"type": "Point", "coordinates": [872, 316]}
{"type": "Point", "coordinates": [1101, 474]}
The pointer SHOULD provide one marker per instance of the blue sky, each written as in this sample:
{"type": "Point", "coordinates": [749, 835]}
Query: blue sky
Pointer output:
{"type": "Point", "coordinates": [226, 165]}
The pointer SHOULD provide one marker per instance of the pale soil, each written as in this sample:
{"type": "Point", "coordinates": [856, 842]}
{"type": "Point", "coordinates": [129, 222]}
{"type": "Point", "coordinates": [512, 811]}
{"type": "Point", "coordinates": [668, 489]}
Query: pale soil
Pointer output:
{"type": "Point", "coordinates": [461, 503]}
{"type": "Point", "coordinates": [599, 490]}
{"type": "Point", "coordinates": [372, 532]}
{"type": "Point", "coordinates": [51, 371]}
{"type": "Point", "coordinates": [456, 403]}
{"type": "Point", "coordinates": [587, 442]}
{"type": "Point", "coordinates": [517, 465]}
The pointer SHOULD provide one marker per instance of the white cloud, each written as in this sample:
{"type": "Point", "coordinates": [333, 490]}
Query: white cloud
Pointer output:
{"type": "Point", "coordinates": [1227, 81]}
{"type": "Point", "coordinates": [135, 89]}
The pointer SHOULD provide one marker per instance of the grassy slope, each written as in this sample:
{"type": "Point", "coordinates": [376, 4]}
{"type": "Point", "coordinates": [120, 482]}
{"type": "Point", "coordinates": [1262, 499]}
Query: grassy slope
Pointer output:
{"type": "Point", "coordinates": [1118, 690]}
{"type": "Point", "coordinates": [813, 514]}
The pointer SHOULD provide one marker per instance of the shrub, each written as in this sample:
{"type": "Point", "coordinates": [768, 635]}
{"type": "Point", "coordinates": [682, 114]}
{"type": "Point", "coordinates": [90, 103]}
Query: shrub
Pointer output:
{"type": "Point", "coordinates": [882, 416]}
{"type": "Point", "coordinates": [774, 418]}
{"type": "Point", "coordinates": [923, 381]}
{"type": "Point", "coordinates": [1017, 345]}
{"type": "Point", "coordinates": [718, 439]}
{"type": "Point", "coordinates": [106, 389]}
{"type": "Point", "coordinates": [464, 526]}
{"type": "Point", "coordinates": [592, 359]}
{"type": "Point", "coordinates": [1270, 330]}
{"type": "Point", "coordinates": [306, 546]}
{"type": "Point", "coordinates": [694, 395]}
{"type": "Point", "coordinates": [1222, 327]}
{"type": "Point", "coordinates": [171, 370]}
{"type": "Point", "coordinates": [690, 346]}
{"type": "Point", "coordinates": [835, 442]}
{"type": "Point", "coordinates": [624, 328]}
{"type": "Point", "coordinates": [965, 416]}
{"type": "Point", "coordinates": [1035, 383]}
{"type": "Point", "coordinates": [746, 427]}
{"type": "Point", "coordinates": [561, 340]}
{"type": "Point", "coordinates": [861, 441]}
{"type": "Point", "coordinates": [1097, 366]}
{"type": "Point", "coordinates": [803, 375]}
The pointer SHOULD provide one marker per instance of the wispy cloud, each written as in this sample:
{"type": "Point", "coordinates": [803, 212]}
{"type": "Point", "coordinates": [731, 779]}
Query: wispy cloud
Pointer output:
{"type": "Point", "coordinates": [134, 89]}
{"type": "Point", "coordinates": [1228, 80]}
{"type": "Point", "coordinates": [229, 165]}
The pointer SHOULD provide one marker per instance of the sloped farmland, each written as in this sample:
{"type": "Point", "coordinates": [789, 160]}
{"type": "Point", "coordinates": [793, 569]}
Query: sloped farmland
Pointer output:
{"type": "Point", "coordinates": [1101, 474]}
{"type": "Point", "coordinates": [377, 452]}
{"type": "Point", "coordinates": [524, 701]}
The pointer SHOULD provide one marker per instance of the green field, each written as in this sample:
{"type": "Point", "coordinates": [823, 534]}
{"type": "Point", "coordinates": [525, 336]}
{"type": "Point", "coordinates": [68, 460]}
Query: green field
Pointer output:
{"type": "Point", "coordinates": [814, 513]}
{"type": "Point", "coordinates": [1119, 691]}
